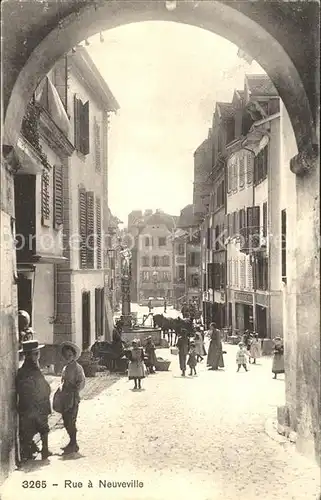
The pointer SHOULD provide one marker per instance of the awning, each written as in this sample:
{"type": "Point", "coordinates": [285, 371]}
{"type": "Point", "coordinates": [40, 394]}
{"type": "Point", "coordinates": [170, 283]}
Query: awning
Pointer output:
{"type": "Point", "coordinates": [47, 96]}
{"type": "Point", "coordinates": [256, 140]}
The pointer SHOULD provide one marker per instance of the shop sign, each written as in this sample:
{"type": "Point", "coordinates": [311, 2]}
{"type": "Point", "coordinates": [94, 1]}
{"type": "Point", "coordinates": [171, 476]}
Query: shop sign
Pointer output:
{"type": "Point", "coordinates": [262, 299]}
{"type": "Point", "coordinates": [243, 297]}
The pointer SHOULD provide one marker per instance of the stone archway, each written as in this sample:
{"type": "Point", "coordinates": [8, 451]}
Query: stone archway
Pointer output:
{"type": "Point", "coordinates": [217, 17]}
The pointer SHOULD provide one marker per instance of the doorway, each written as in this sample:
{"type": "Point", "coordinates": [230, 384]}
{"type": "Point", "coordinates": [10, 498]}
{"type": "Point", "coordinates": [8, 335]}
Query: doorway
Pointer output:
{"type": "Point", "coordinates": [85, 320]}
{"type": "Point", "coordinates": [261, 323]}
{"type": "Point", "coordinates": [25, 295]}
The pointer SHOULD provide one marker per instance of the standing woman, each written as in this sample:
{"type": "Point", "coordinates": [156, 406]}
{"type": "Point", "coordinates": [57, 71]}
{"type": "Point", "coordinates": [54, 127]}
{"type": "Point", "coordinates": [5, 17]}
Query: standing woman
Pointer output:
{"type": "Point", "coordinates": [183, 347]}
{"type": "Point", "coordinates": [73, 381]}
{"type": "Point", "coordinates": [278, 358]}
{"type": "Point", "coordinates": [136, 368]}
{"type": "Point", "coordinates": [215, 350]}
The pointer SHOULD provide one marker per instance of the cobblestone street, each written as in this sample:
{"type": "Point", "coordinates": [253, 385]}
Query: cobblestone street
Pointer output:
{"type": "Point", "coordinates": [200, 437]}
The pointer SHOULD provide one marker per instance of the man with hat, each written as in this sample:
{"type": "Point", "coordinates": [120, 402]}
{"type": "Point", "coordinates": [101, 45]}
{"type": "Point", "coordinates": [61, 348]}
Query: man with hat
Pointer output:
{"type": "Point", "coordinates": [33, 393]}
{"type": "Point", "coordinates": [73, 381]}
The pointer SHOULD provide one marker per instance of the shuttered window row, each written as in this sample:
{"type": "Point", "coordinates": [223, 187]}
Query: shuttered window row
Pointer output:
{"type": "Point", "coordinates": [87, 229]}
{"type": "Point", "coordinates": [246, 225]}
{"type": "Point", "coordinates": [45, 198]}
{"type": "Point", "coordinates": [58, 196]}
{"type": "Point", "coordinates": [81, 126]}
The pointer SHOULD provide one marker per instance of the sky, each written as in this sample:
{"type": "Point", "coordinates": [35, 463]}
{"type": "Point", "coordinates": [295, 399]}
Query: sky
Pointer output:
{"type": "Point", "coordinates": [166, 78]}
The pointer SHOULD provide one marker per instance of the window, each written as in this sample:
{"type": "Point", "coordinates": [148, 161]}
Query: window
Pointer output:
{"type": "Point", "coordinates": [181, 249]}
{"type": "Point", "coordinates": [209, 238]}
{"type": "Point", "coordinates": [99, 312]}
{"type": "Point", "coordinates": [60, 79]}
{"type": "Point", "coordinates": [261, 273]}
{"type": "Point", "coordinates": [81, 126]}
{"type": "Point", "coordinates": [58, 196]}
{"type": "Point", "coordinates": [162, 241]}
{"type": "Point", "coordinates": [155, 261]}
{"type": "Point", "coordinates": [45, 198]}
{"type": "Point", "coordinates": [166, 276]}
{"type": "Point", "coordinates": [283, 245]}
{"type": "Point", "coordinates": [217, 235]}
{"type": "Point", "coordinates": [222, 275]}
{"type": "Point", "coordinates": [145, 276]}
{"type": "Point", "coordinates": [235, 175]}
{"type": "Point", "coordinates": [220, 195]}
{"type": "Point", "coordinates": [194, 259]}
{"type": "Point", "coordinates": [216, 276]}
{"type": "Point", "coordinates": [165, 261]}
{"type": "Point", "coordinates": [243, 229]}
{"type": "Point", "coordinates": [98, 232]}
{"type": "Point", "coordinates": [82, 227]}
{"type": "Point", "coordinates": [253, 226]}
{"type": "Point", "coordinates": [97, 146]}
{"type": "Point", "coordinates": [181, 273]}
{"type": "Point", "coordinates": [194, 280]}
{"type": "Point", "coordinates": [147, 243]}
{"type": "Point", "coordinates": [264, 219]}
{"type": "Point", "coordinates": [261, 165]}
{"type": "Point", "coordinates": [145, 261]}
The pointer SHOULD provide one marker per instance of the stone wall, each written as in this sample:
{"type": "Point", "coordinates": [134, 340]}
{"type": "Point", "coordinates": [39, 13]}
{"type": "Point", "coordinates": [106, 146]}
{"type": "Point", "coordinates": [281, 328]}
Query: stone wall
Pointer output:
{"type": "Point", "coordinates": [8, 329]}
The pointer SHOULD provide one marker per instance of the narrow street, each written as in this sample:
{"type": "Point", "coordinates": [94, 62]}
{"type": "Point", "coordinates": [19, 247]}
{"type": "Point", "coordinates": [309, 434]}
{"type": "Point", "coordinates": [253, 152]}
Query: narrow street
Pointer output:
{"type": "Point", "coordinates": [202, 437]}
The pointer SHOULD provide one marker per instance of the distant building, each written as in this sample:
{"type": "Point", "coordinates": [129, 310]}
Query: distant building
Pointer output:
{"type": "Point", "coordinates": [152, 254]}
{"type": "Point", "coordinates": [189, 223]}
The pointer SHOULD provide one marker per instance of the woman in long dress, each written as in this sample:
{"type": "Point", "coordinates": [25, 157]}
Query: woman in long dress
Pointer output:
{"type": "Point", "coordinates": [215, 350]}
{"type": "Point", "coordinates": [255, 349]}
{"type": "Point", "coordinates": [199, 345]}
{"type": "Point", "coordinates": [136, 367]}
{"type": "Point", "coordinates": [278, 358]}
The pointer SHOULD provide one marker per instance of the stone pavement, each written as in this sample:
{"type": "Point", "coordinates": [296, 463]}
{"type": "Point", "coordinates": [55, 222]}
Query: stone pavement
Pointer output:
{"type": "Point", "coordinates": [200, 438]}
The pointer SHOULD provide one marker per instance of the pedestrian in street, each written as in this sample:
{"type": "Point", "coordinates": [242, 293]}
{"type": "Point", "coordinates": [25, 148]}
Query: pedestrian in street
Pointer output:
{"type": "Point", "coordinates": [192, 358]}
{"type": "Point", "coordinates": [241, 357]}
{"type": "Point", "coordinates": [25, 331]}
{"type": "Point", "coordinates": [149, 305]}
{"type": "Point", "coordinates": [136, 367]}
{"type": "Point", "coordinates": [165, 306]}
{"type": "Point", "coordinates": [72, 382]}
{"type": "Point", "coordinates": [215, 350]}
{"type": "Point", "coordinates": [278, 357]}
{"type": "Point", "coordinates": [151, 355]}
{"type": "Point", "coordinates": [33, 392]}
{"type": "Point", "coordinates": [183, 347]}
{"type": "Point", "coordinates": [255, 349]}
{"type": "Point", "coordinates": [199, 345]}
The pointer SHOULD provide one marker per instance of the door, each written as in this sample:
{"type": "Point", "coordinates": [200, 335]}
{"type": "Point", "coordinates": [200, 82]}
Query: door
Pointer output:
{"type": "Point", "coordinates": [261, 321]}
{"type": "Point", "coordinates": [25, 295]}
{"type": "Point", "coordinates": [85, 320]}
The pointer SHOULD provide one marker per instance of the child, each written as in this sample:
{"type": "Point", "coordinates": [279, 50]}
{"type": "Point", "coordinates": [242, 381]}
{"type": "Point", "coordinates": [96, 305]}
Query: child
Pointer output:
{"type": "Point", "coordinates": [241, 357]}
{"type": "Point", "coordinates": [151, 356]}
{"type": "Point", "coordinates": [136, 368]}
{"type": "Point", "coordinates": [199, 345]}
{"type": "Point", "coordinates": [255, 349]}
{"type": "Point", "coordinates": [278, 358]}
{"type": "Point", "coordinates": [192, 358]}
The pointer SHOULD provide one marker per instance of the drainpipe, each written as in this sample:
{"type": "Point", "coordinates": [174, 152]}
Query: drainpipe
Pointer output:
{"type": "Point", "coordinates": [253, 257]}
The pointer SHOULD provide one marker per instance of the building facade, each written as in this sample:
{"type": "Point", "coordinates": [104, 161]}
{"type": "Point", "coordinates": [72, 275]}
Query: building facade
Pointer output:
{"type": "Point", "coordinates": [63, 275]}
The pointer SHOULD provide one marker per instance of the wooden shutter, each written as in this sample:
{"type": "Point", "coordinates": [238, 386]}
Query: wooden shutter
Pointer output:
{"type": "Point", "coordinates": [265, 161]}
{"type": "Point", "coordinates": [256, 227]}
{"type": "Point", "coordinates": [90, 229]}
{"type": "Point", "coordinates": [82, 227]}
{"type": "Point", "coordinates": [265, 219]}
{"type": "Point", "coordinates": [242, 172]}
{"type": "Point", "coordinates": [98, 231]}
{"type": "Point", "coordinates": [249, 169]}
{"type": "Point", "coordinates": [58, 196]}
{"type": "Point", "coordinates": [85, 128]}
{"type": "Point", "coordinates": [77, 118]}
{"type": "Point", "coordinates": [45, 198]}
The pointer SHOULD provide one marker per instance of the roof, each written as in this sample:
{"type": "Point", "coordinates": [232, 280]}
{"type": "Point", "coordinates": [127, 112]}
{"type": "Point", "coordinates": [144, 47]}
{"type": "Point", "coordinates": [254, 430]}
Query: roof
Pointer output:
{"type": "Point", "coordinates": [226, 109]}
{"type": "Point", "coordinates": [91, 76]}
{"type": "Point", "coordinates": [113, 220]}
{"type": "Point", "coordinates": [260, 85]}
{"type": "Point", "coordinates": [187, 217]}
{"type": "Point", "coordinates": [159, 218]}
